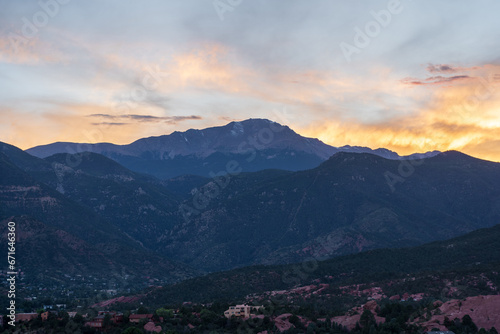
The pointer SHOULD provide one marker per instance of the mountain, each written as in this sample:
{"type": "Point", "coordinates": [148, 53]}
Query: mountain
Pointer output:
{"type": "Point", "coordinates": [95, 182]}
{"type": "Point", "coordinates": [50, 257]}
{"type": "Point", "coordinates": [21, 194]}
{"type": "Point", "coordinates": [432, 268]}
{"type": "Point", "coordinates": [255, 144]}
{"type": "Point", "coordinates": [183, 185]}
{"type": "Point", "coordinates": [350, 203]}
{"type": "Point", "coordinates": [138, 205]}
{"type": "Point", "coordinates": [60, 232]}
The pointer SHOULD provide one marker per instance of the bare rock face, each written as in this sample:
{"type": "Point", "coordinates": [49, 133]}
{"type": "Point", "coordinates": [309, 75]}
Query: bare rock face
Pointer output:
{"type": "Point", "coordinates": [438, 303]}
{"type": "Point", "coordinates": [150, 327]}
{"type": "Point", "coordinates": [370, 306]}
{"type": "Point", "coordinates": [282, 322]}
{"type": "Point", "coordinates": [354, 315]}
{"type": "Point", "coordinates": [121, 299]}
{"type": "Point", "coordinates": [483, 310]}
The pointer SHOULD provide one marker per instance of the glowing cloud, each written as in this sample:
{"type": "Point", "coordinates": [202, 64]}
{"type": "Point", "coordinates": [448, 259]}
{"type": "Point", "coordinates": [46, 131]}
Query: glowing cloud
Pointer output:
{"type": "Point", "coordinates": [462, 117]}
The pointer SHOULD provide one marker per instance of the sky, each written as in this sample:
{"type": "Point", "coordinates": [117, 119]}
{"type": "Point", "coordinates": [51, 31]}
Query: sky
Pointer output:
{"type": "Point", "coordinates": [410, 76]}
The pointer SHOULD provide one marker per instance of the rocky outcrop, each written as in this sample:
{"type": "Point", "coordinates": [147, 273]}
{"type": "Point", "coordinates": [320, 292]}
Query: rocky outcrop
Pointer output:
{"type": "Point", "coordinates": [354, 315]}
{"type": "Point", "coordinates": [483, 310]}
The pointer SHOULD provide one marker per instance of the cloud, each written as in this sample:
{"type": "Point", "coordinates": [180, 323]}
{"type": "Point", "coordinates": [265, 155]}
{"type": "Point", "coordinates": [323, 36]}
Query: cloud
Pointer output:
{"type": "Point", "coordinates": [460, 117]}
{"type": "Point", "coordinates": [110, 123]}
{"type": "Point", "coordinates": [228, 119]}
{"type": "Point", "coordinates": [145, 118]}
{"type": "Point", "coordinates": [442, 68]}
{"type": "Point", "coordinates": [261, 58]}
{"type": "Point", "coordinates": [439, 70]}
{"type": "Point", "coordinates": [156, 99]}
{"type": "Point", "coordinates": [174, 119]}
{"type": "Point", "coordinates": [435, 80]}
{"type": "Point", "coordinates": [487, 149]}
{"type": "Point", "coordinates": [71, 121]}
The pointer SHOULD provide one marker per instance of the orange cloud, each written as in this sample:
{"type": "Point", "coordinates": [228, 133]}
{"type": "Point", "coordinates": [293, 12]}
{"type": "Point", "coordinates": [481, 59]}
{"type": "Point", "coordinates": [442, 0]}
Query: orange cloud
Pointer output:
{"type": "Point", "coordinates": [214, 68]}
{"type": "Point", "coordinates": [71, 122]}
{"type": "Point", "coordinates": [456, 108]}
{"type": "Point", "coordinates": [463, 117]}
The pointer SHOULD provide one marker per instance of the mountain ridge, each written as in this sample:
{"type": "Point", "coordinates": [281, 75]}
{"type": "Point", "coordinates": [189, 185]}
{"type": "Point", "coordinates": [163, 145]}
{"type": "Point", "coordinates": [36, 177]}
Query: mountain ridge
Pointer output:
{"type": "Point", "coordinates": [256, 143]}
{"type": "Point", "coordinates": [472, 252]}
{"type": "Point", "coordinates": [343, 206]}
{"type": "Point", "coordinates": [49, 222]}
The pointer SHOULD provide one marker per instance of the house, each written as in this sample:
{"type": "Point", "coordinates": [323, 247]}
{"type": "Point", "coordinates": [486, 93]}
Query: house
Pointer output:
{"type": "Point", "coordinates": [138, 317]}
{"type": "Point", "coordinates": [26, 316]}
{"type": "Point", "coordinates": [241, 311]}
{"type": "Point", "coordinates": [116, 317]}
{"type": "Point", "coordinates": [98, 322]}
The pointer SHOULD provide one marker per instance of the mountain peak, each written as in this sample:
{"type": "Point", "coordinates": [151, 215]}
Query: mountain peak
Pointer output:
{"type": "Point", "coordinates": [255, 143]}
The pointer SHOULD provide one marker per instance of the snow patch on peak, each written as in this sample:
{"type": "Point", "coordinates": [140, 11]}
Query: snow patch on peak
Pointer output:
{"type": "Point", "coordinates": [237, 129]}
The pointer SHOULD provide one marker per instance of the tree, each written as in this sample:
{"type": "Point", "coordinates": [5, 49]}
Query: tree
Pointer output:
{"type": "Point", "coordinates": [367, 319]}
{"type": "Point", "coordinates": [294, 320]}
{"type": "Point", "coordinates": [311, 328]}
{"type": "Point", "coordinates": [78, 318]}
{"type": "Point", "coordinates": [165, 313]}
{"type": "Point", "coordinates": [142, 310]}
{"type": "Point", "coordinates": [468, 324]}
{"type": "Point", "coordinates": [208, 316]}
{"type": "Point", "coordinates": [132, 330]}
{"type": "Point", "coordinates": [106, 321]}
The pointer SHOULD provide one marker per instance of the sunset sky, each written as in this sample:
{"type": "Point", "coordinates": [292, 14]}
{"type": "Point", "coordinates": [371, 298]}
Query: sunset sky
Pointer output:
{"type": "Point", "coordinates": [410, 76]}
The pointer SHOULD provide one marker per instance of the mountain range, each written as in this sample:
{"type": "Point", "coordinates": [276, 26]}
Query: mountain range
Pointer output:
{"type": "Point", "coordinates": [256, 144]}
{"type": "Point", "coordinates": [97, 211]}
{"type": "Point", "coordinates": [346, 205]}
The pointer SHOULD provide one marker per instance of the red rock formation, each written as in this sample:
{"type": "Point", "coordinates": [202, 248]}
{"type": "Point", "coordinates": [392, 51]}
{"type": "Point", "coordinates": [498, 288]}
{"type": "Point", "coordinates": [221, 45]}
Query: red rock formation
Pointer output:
{"type": "Point", "coordinates": [121, 299]}
{"type": "Point", "coordinates": [349, 320]}
{"type": "Point", "coordinates": [282, 322]}
{"type": "Point", "coordinates": [150, 327]}
{"type": "Point", "coordinates": [483, 310]}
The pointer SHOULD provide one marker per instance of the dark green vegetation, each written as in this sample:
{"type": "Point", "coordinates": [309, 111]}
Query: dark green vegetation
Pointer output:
{"type": "Point", "coordinates": [207, 319]}
{"type": "Point", "coordinates": [138, 205]}
{"type": "Point", "coordinates": [267, 217]}
{"type": "Point", "coordinates": [471, 254]}
{"type": "Point", "coordinates": [62, 237]}
{"type": "Point", "coordinates": [343, 206]}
